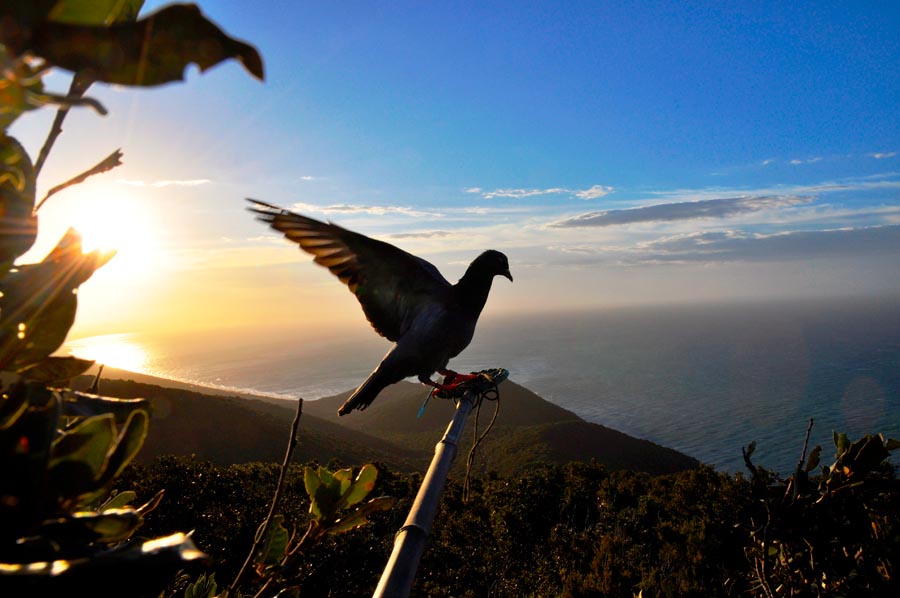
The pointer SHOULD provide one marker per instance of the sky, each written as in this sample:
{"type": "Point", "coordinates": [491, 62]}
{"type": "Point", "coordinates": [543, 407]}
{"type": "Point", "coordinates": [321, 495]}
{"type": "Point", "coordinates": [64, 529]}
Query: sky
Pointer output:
{"type": "Point", "coordinates": [620, 153]}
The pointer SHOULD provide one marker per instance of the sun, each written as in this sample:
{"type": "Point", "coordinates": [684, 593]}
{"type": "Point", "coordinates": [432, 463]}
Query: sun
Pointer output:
{"type": "Point", "coordinates": [121, 222]}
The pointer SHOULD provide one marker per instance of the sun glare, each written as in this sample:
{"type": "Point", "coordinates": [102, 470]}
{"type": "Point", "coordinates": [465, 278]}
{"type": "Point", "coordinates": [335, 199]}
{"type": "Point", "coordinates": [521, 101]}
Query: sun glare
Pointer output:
{"type": "Point", "coordinates": [113, 350]}
{"type": "Point", "coordinates": [121, 222]}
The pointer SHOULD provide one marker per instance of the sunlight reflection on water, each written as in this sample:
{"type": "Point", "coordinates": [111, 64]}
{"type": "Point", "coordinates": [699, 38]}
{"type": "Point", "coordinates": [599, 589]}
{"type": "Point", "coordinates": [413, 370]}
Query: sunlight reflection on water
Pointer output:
{"type": "Point", "coordinates": [121, 351]}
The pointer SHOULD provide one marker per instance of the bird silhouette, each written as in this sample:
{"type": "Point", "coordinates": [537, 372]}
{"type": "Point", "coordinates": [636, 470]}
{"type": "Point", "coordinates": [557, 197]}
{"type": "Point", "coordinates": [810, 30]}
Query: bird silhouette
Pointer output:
{"type": "Point", "coordinates": [404, 298]}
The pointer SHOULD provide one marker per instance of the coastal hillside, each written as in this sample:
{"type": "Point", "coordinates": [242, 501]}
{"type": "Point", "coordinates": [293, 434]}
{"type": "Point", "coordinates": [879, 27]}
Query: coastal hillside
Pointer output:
{"type": "Point", "coordinates": [242, 428]}
{"type": "Point", "coordinates": [237, 429]}
{"type": "Point", "coordinates": [528, 430]}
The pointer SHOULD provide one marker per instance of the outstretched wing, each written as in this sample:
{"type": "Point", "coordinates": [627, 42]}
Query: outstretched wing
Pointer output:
{"type": "Point", "coordinates": [391, 285]}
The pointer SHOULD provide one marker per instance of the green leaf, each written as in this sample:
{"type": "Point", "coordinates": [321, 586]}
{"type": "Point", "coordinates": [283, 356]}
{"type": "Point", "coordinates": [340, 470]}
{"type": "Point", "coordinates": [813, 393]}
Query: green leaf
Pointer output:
{"type": "Point", "coordinates": [327, 495]}
{"type": "Point", "coordinates": [358, 516]}
{"type": "Point", "coordinates": [118, 501]}
{"type": "Point", "coordinates": [204, 587]}
{"type": "Point", "coordinates": [112, 525]}
{"type": "Point", "coordinates": [276, 544]}
{"type": "Point", "coordinates": [145, 567]}
{"type": "Point", "coordinates": [312, 482]}
{"type": "Point", "coordinates": [38, 303]}
{"type": "Point", "coordinates": [814, 457]}
{"type": "Point", "coordinates": [89, 442]}
{"type": "Point", "coordinates": [56, 369]}
{"type": "Point", "coordinates": [345, 478]}
{"type": "Point", "coordinates": [17, 188]}
{"type": "Point", "coordinates": [78, 458]}
{"type": "Point", "coordinates": [841, 442]}
{"type": "Point", "coordinates": [154, 50]}
{"type": "Point", "coordinates": [82, 404]}
{"type": "Point", "coordinates": [95, 12]}
{"type": "Point", "coordinates": [364, 483]}
{"type": "Point", "coordinates": [19, 86]}
{"type": "Point", "coordinates": [128, 444]}
{"type": "Point", "coordinates": [866, 453]}
{"type": "Point", "coordinates": [152, 503]}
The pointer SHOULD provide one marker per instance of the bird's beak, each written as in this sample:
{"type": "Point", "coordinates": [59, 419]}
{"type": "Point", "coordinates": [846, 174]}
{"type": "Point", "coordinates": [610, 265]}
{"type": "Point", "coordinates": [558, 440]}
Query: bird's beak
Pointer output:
{"type": "Point", "coordinates": [508, 275]}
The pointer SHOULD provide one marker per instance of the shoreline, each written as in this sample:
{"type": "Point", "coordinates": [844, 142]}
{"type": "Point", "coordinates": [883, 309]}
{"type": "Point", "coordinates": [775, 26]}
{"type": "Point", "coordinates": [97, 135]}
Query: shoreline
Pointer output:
{"type": "Point", "coordinates": [112, 373]}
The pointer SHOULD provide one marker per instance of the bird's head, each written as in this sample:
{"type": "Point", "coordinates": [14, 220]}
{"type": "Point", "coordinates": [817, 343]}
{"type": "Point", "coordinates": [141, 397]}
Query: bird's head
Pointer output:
{"type": "Point", "coordinates": [494, 263]}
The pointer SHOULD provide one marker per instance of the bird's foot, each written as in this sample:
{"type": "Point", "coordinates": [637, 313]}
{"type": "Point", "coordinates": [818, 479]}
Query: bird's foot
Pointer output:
{"type": "Point", "coordinates": [451, 385]}
{"type": "Point", "coordinates": [453, 379]}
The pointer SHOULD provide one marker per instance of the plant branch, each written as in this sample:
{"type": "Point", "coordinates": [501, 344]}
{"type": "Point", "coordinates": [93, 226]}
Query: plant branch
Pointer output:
{"type": "Point", "coordinates": [95, 386]}
{"type": "Point", "coordinates": [805, 444]}
{"type": "Point", "coordinates": [793, 486]}
{"type": "Point", "coordinates": [262, 532]}
{"type": "Point", "coordinates": [77, 88]}
{"type": "Point", "coordinates": [108, 163]}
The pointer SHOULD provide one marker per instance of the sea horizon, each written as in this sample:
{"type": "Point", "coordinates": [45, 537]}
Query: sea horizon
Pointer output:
{"type": "Point", "coordinates": [706, 380]}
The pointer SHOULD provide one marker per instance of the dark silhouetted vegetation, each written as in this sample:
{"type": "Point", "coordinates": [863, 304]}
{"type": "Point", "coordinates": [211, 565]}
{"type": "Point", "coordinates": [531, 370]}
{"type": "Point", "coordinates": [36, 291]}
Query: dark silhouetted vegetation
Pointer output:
{"type": "Point", "coordinates": [61, 528]}
{"type": "Point", "coordinates": [575, 530]}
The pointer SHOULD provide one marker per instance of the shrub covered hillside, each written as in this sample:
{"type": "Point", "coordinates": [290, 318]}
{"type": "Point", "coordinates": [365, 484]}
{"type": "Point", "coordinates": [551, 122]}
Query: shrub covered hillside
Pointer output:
{"type": "Point", "coordinates": [578, 529]}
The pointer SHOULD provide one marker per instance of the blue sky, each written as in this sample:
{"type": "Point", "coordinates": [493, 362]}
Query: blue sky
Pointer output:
{"type": "Point", "coordinates": [618, 152]}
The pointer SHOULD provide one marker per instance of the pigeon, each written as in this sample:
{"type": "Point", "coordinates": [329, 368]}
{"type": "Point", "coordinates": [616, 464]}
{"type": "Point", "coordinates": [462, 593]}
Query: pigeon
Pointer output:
{"type": "Point", "coordinates": [404, 298]}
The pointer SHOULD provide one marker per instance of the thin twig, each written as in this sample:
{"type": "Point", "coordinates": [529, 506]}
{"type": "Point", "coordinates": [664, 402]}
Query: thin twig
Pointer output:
{"type": "Point", "coordinates": [262, 531]}
{"type": "Point", "coordinates": [95, 386]}
{"type": "Point", "coordinates": [805, 444]}
{"type": "Point", "coordinates": [108, 163]}
{"type": "Point", "coordinates": [77, 88]}
{"type": "Point", "coordinates": [793, 487]}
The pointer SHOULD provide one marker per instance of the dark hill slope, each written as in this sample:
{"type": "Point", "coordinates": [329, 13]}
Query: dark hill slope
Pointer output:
{"type": "Point", "coordinates": [528, 430]}
{"type": "Point", "coordinates": [238, 429]}
{"type": "Point", "coordinates": [228, 430]}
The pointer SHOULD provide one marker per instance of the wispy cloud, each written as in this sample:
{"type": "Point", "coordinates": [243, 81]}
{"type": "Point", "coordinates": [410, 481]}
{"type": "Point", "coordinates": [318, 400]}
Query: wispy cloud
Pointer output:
{"type": "Point", "coordinates": [164, 183]}
{"type": "Point", "coordinates": [519, 193]}
{"type": "Point", "coordinates": [594, 192]}
{"type": "Point", "coordinates": [880, 181]}
{"type": "Point", "coordinates": [431, 234]}
{"type": "Point", "coordinates": [688, 210]}
{"type": "Point", "coordinates": [354, 209]}
{"type": "Point", "coordinates": [798, 161]}
{"type": "Point", "coordinates": [882, 155]}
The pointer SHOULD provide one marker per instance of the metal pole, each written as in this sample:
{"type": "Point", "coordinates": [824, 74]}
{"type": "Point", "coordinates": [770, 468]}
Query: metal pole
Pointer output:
{"type": "Point", "coordinates": [400, 571]}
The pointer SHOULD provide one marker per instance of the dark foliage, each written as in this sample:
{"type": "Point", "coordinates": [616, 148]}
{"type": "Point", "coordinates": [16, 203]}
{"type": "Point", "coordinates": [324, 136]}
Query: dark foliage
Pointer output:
{"type": "Point", "coordinates": [574, 530]}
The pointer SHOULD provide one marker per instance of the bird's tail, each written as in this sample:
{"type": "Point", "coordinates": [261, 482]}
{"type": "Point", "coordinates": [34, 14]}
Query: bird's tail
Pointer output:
{"type": "Point", "coordinates": [363, 396]}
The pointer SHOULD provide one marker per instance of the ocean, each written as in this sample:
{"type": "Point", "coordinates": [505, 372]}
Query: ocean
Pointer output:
{"type": "Point", "coordinates": [705, 380]}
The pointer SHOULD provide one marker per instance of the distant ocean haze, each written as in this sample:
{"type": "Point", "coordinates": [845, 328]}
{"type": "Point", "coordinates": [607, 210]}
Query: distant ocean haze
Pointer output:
{"type": "Point", "coordinates": [705, 380]}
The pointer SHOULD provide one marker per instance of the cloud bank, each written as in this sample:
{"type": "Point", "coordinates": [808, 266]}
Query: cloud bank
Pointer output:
{"type": "Point", "coordinates": [686, 210]}
{"type": "Point", "coordinates": [734, 246]}
{"type": "Point", "coordinates": [795, 245]}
